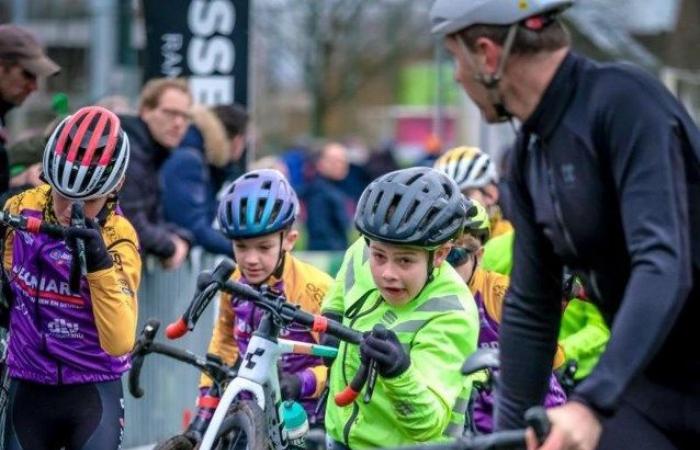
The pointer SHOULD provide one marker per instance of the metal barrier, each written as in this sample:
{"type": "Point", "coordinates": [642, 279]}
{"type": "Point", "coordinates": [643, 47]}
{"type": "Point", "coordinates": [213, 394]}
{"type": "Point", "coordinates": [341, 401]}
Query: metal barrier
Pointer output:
{"type": "Point", "coordinates": [171, 387]}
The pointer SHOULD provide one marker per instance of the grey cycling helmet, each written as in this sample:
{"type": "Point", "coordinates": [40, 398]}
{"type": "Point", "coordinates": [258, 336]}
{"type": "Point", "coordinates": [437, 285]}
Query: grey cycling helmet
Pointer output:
{"type": "Point", "coordinates": [419, 206]}
{"type": "Point", "coordinates": [450, 16]}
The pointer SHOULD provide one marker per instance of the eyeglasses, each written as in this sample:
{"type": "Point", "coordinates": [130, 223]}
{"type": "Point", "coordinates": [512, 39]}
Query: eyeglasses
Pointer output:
{"type": "Point", "coordinates": [459, 256]}
{"type": "Point", "coordinates": [174, 114]}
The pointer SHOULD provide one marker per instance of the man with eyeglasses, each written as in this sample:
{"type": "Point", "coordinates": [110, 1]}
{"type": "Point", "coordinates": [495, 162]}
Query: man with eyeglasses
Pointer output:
{"type": "Point", "coordinates": [163, 118]}
{"type": "Point", "coordinates": [22, 63]}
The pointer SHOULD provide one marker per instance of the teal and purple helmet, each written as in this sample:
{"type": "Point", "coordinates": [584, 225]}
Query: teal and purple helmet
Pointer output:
{"type": "Point", "coordinates": [258, 203]}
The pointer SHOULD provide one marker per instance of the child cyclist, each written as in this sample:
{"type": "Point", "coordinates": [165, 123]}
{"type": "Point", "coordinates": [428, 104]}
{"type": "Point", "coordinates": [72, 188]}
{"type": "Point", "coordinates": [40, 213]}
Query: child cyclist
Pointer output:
{"type": "Point", "coordinates": [407, 219]}
{"type": "Point", "coordinates": [489, 289]}
{"type": "Point", "coordinates": [257, 214]}
{"type": "Point", "coordinates": [67, 349]}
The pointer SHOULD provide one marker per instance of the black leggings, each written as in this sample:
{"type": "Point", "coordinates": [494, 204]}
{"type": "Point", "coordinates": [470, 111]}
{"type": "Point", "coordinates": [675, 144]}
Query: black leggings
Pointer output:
{"type": "Point", "coordinates": [77, 417]}
{"type": "Point", "coordinates": [653, 417]}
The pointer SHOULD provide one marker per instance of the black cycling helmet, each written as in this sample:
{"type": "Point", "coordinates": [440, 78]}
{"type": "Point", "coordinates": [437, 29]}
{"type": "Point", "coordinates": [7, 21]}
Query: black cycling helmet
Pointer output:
{"type": "Point", "coordinates": [419, 206]}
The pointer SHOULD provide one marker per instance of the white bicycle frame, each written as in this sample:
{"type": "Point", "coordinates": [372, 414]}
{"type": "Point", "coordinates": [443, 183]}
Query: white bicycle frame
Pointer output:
{"type": "Point", "coordinates": [257, 375]}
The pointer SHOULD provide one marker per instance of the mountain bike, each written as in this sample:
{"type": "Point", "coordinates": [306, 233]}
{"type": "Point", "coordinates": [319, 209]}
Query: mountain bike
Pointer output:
{"type": "Point", "coordinates": [255, 421]}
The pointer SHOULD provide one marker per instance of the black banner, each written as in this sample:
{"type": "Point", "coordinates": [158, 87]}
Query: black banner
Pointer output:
{"type": "Point", "coordinates": [205, 41]}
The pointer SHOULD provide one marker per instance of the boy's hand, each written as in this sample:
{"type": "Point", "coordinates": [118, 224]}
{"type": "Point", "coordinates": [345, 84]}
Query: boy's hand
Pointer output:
{"type": "Point", "coordinates": [96, 255]}
{"type": "Point", "coordinates": [392, 360]}
{"type": "Point", "coordinates": [290, 386]}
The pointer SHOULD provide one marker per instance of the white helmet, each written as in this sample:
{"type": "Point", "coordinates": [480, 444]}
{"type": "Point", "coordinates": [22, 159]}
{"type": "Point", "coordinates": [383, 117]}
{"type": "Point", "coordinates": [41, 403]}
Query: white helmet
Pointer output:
{"type": "Point", "coordinates": [468, 166]}
{"type": "Point", "coordinates": [87, 154]}
{"type": "Point", "coordinates": [450, 16]}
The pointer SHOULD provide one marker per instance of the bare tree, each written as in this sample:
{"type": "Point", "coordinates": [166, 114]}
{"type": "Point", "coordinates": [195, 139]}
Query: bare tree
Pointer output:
{"type": "Point", "coordinates": [334, 47]}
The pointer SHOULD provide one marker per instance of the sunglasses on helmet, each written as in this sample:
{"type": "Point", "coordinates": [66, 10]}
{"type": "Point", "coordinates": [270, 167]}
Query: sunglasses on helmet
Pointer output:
{"type": "Point", "coordinates": [459, 256]}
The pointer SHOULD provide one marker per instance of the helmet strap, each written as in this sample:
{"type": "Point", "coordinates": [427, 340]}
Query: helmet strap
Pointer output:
{"type": "Point", "coordinates": [491, 81]}
{"type": "Point", "coordinates": [279, 268]}
{"type": "Point", "coordinates": [431, 267]}
{"type": "Point", "coordinates": [474, 261]}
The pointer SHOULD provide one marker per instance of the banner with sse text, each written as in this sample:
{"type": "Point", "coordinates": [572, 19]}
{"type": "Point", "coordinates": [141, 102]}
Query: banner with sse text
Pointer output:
{"type": "Point", "coordinates": [205, 41]}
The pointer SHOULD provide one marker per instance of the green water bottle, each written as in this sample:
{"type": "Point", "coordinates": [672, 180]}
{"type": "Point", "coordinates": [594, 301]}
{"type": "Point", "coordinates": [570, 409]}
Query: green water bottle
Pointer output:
{"type": "Point", "coordinates": [296, 423]}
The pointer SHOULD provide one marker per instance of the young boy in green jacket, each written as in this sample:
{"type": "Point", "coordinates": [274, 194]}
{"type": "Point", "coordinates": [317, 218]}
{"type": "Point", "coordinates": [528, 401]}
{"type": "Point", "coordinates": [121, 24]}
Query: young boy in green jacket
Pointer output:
{"type": "Point", "coordinates": [408, 219]}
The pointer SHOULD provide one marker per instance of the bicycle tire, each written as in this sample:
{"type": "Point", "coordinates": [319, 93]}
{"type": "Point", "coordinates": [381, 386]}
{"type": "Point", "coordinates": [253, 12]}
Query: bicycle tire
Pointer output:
{"type": "Point", "coordinates": [178, 442]}
{"type": "Point", "coordinates": [244, 417]}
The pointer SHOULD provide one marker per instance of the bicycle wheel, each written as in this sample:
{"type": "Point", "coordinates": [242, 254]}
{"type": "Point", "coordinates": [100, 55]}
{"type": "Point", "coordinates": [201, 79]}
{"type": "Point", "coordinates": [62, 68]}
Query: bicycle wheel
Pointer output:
{"type": "Point", "coordinates": [243, 428]}
{"type": "Point", "coordinates": [179, 442]}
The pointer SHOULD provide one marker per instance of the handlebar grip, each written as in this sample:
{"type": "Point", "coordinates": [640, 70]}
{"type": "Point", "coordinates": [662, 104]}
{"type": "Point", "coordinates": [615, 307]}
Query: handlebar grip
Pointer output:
{"type": "Point", "coordinates": [352, 390]}
{"type": "Point", "coordinates": [537, 419]}
{"type": "Point", "coordinates": [346, 396]}
{"type": "Point", "coordinates": [343, 333]}
{"type": "Point", "coordinates": [176, 329]}
{"type": "Point", "coordinates": [135, 374]}
{"type": "Point", "coordinates": [137, 356]}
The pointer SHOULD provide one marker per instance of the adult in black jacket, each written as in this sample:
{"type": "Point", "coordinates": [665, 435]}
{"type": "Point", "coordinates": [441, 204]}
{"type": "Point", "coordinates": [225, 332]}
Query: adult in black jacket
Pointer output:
{"type": "Point", "coordinates": [162, 121]}
{"type": "Point", "coordinates": [22, 63]}
{"type": "Point", "coordinates": [605, 181]}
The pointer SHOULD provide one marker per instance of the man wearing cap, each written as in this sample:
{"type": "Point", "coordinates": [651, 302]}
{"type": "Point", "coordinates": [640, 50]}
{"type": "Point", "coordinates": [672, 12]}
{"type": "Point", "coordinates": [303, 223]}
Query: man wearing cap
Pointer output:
{"type": "Point", "coordinates": [22, 63]}
{"type": "Point", "coordinates": [604, 181]}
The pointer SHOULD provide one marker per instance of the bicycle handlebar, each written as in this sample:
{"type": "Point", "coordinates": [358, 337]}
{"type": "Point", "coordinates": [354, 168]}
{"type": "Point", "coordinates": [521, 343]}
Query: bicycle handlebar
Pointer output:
{"type": "Point", "coordinates": [536, 418]}
{"type": "Point", "coordinates": [292, 313]}
{"type": "Point", "coordinates": [319, 324]}
{"type": "Point", "coordinates": [32, 225]}
{"type": "Point", "coordinates": [208, 284]}
{"type": "Point", "coordinates": [38, 226]}
{"type": "Point", "coordinates": [214, 368]}
{"type": "Point", "coordinates": [140, 349]}
{"type": "Point", "coordinates": [77, 220]}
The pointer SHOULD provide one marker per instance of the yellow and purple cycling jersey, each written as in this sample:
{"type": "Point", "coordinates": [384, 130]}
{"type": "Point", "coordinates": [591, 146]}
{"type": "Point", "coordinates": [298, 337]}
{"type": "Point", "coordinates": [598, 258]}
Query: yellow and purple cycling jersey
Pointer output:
{"type": "Point", "coordinates": [64, 337]}
{"type": "Point", "coordinates": [489, 290]}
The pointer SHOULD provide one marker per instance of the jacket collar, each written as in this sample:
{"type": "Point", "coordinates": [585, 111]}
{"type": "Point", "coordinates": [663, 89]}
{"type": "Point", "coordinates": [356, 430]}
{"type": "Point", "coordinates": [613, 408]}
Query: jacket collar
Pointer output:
{"type": "Point", "coordinates": [556, 98]}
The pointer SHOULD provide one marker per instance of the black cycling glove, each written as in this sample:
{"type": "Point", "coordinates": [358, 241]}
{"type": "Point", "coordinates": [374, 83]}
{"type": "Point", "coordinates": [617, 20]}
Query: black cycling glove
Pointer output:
{"type": "Point", "coordinates": [384, 347]}
{"type": "Point", "coordinates": [96, 255]}
{"type": "Point", "coordinates": [290, 386]}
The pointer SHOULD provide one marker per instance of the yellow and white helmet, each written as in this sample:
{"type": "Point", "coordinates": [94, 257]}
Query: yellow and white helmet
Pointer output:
{"type": "Point", "coordinates": [469, 167]}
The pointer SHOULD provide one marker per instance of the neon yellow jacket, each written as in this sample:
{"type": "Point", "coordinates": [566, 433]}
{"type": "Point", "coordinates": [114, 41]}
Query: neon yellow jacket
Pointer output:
{"type": "Point", "coordinates": [439, 328]}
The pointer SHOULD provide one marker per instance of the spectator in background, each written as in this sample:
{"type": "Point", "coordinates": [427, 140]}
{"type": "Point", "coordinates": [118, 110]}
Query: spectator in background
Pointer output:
{"type": "Point", "coordinates": [22, 63]}
{"type": "Point", "coordinates": [270, 162]}
{"type": "Point", "coordinates": [164, 114]}
{"type": "Point", "coordinates": [194, 173]}
{"type": "Point", "coordinates": [382, 161]}
{"type": "Point", "coordinates": [433, 148]}
{"type": "Point", "coordinates": [327, 215]}
{"type": "Point", "coordinates": [357, 178]}
{"type": "Point", "coordinates": [118, 104]}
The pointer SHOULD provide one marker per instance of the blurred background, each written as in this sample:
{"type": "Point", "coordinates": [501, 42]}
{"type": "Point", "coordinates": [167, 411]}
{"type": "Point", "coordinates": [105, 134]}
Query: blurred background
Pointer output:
{"type": "Point", "coordinates": [339, 68]}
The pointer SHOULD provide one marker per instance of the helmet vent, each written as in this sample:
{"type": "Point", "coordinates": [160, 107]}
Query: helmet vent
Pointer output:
{"type": "Point", "coordinates": [260, 209]}
{"type": "Point", "coordinates": [276, 209]}
{"type": "Point", "coordinates": [242, 210]}
{"type": "Point", "coordinates": [392, 208]}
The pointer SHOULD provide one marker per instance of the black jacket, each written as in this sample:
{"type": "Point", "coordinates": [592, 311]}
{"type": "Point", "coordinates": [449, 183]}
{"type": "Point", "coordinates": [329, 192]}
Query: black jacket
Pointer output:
{"type": "Point", "coordinates": [606, 181]}
{"type": "Point", "coordinates": [327, 216]}
{"type": "Point", "coordinates": [4, 162]}
{"type": "Point", "coordinates": [140, 195]}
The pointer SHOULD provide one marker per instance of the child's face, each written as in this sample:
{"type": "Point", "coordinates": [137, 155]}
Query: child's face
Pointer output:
{"type": "Point", "coordinates": [257, 257]}
{"type": "Point", "coordinates": [62, 207]}
{"type": "Point", "coordinates": [471, 254]}
{"type": "Point", "coordinates": [400, 272]}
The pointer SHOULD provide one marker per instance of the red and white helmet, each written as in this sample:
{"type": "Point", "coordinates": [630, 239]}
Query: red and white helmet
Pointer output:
{"type": "Point", "coordinates": [87, 154]}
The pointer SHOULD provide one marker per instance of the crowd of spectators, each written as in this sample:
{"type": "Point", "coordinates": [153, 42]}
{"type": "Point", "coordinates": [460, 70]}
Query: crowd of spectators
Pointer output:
{"type": "Point", "coordinates": [184, 156]}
